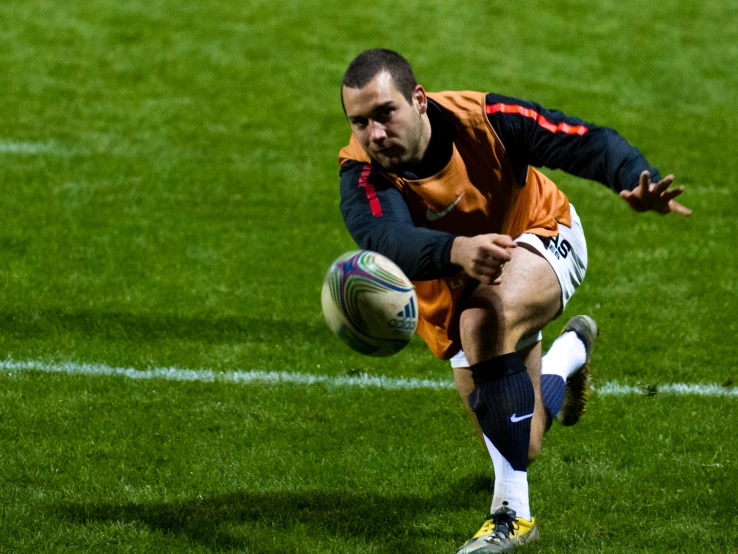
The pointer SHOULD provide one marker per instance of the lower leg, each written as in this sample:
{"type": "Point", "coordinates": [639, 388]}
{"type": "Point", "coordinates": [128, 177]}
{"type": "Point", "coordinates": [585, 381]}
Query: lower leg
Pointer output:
{"type": "Point", "coordinates": [504, 396]}
{"type": "Point", "coordinates": [566, 355]}
{"type": "Point", "coordinates": [531, 357]}
{"type": "Point", "coordinates": [465, 386]}
{"type": "Point", "coordinates": [503, 401]}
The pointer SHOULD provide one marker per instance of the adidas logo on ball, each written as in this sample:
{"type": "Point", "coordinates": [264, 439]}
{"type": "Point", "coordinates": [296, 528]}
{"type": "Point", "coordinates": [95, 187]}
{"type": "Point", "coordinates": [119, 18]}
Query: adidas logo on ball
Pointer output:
{"type": "Point", "coordinates": [406, 319]}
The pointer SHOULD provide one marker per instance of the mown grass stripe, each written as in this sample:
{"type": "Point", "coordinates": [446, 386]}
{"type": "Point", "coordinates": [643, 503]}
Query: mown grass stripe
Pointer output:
{"type": "Point", "coordinates": [608, 388]}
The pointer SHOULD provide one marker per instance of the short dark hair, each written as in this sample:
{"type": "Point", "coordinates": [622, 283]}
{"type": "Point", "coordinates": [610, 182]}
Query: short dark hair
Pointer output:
{"type": "Point", "coordinates": [369, 63]}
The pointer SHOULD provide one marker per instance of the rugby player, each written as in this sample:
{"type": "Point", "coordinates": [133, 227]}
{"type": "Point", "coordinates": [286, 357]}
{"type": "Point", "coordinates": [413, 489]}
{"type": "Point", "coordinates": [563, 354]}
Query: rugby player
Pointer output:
{"type": "Point", "coordinates": [445, 185]}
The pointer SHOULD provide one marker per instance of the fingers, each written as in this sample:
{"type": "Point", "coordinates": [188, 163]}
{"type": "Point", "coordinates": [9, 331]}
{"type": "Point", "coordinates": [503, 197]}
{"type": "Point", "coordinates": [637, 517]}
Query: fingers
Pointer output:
{"type": "Point", "coordinates": [673, 193]}
{"type": "Point", "coordinates": [488, 276]}
{"type": "Point", "coordinates": [489, 265]}
{"type": "Point", "coordinates": [493, 251]}
{"type": "Point", "coordinates": [644, 181]}
{"type": "Point", "coordinates": [497, 253]}
{"type": "Point", "coordinates": [483, 256]}
{"type": "Point", "coordinates": [663, 185]}
{"type": "Point", "coordinates": [657, 197]}
{"type": "Point", "coordinates": [678, 208]}
{"type": "Point", "coordinates": [666, 196]}
{"type": "Point", "coordinates": [505, 241]}
{"type": "Point", "coordinates": [633, 200]}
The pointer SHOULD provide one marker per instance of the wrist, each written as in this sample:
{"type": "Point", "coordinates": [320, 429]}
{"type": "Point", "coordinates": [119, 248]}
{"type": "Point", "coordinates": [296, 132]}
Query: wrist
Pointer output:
{"type": "Point", "coordinates": [457, 247]}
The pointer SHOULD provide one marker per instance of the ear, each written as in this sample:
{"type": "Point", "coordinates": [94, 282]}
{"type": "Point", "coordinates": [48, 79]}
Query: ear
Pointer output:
{"type": "Point", "coordinates": [420, 99]}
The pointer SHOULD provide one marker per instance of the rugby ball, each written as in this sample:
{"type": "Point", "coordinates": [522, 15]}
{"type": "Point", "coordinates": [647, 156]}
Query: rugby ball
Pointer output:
{"type": "Point", "coordinates": [369, 303]}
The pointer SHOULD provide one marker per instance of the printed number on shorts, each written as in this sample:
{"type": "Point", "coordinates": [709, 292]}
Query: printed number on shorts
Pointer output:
{"type": "Point", "coordinates": [560, 249]}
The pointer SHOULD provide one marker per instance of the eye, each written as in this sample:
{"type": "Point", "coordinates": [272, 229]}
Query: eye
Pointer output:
{"type": "Point", "coordinates": [387, 113]}
{"type": "Point", "coordinates": [360, 123]}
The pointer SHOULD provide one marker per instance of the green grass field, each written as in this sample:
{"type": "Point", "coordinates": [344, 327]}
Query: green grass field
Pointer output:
{"type": "Point", "coordinates": [170, 199]}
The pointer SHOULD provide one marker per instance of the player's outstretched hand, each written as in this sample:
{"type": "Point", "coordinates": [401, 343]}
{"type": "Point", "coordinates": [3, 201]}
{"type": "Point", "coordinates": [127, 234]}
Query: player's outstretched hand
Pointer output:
{"type": "Point", "coordinates": [657, 197]}
{"type": "Point", "coordinates": [482, 256]}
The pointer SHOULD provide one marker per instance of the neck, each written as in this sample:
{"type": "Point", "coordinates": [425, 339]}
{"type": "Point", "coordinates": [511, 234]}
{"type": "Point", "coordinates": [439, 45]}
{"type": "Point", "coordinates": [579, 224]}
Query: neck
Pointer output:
{"type": "Point", "coordinates": [435, 147]}
{"type": "Point", "coordinates": [425, 138]}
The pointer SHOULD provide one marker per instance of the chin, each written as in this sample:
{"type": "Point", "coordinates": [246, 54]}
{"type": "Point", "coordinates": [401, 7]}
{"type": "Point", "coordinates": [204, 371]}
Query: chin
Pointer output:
{"type": "Point", "coordinates": [391, 164]}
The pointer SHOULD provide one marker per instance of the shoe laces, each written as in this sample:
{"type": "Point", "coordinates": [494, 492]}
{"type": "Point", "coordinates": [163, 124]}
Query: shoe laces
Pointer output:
{"type": "Point", "coordinates": [504, 521]}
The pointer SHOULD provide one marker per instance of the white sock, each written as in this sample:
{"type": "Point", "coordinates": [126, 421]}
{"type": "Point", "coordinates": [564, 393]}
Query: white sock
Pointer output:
{"type": "Point", "coordinates": [566, 355]}
{"type": "Point", "coordinates": [510, 486]}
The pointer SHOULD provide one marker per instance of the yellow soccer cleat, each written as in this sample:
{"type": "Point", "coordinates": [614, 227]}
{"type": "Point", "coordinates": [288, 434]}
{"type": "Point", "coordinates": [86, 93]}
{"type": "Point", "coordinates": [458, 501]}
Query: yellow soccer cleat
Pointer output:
{"type": "Point", "coordinates": [578, 384]}
{"type": "Point", "coordinates": [502, 532]}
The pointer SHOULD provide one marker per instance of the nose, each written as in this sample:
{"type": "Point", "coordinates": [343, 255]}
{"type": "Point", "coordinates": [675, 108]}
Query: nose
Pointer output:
{"type": "Point", "coordinates": [377, 131]}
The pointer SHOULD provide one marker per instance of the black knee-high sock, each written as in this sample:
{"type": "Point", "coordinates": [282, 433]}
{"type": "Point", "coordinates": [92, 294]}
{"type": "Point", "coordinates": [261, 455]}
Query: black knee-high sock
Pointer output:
{"type": "Point", "coordinates": [503, 401]}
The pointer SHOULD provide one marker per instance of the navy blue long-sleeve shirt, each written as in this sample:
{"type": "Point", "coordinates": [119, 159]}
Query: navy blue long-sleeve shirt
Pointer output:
{"type": "Point", "coordinates": [531, 135]}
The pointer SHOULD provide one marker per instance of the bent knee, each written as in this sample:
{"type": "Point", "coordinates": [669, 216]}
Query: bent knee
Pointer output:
{"type": "Point", "coordinates": [493, 326]}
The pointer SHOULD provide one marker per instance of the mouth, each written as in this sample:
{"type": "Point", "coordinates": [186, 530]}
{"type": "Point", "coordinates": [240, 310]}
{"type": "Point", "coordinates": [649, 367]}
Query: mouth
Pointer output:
{"type": "Point", "coordinates": [389, 151]}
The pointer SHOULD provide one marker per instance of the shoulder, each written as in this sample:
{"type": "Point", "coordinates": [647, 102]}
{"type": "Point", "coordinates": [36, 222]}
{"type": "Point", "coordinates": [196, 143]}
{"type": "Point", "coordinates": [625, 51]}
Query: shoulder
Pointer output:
{"type": "Point", "coordinates": [352, 152]}
{"type": "Point", "coordinates": [358, 175]}
{"type": "Point", "coordinates": [462, 104]}
{"type": "Point", "coordinates": [351, 170]}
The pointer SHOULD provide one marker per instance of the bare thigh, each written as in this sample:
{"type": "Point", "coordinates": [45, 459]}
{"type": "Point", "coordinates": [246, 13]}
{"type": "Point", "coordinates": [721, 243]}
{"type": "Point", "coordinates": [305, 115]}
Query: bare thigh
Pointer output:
{"type": "Point", "coordinates": [496, 317]}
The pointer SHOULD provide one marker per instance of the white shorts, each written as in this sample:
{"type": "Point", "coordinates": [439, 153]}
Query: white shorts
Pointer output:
{"type": "Point", "coordinates": [567, 254]}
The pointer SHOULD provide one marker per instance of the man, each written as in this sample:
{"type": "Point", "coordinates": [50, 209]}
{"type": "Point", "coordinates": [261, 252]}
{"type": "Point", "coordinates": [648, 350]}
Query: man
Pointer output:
{"type": "Point", "coordinates": [444, 185]}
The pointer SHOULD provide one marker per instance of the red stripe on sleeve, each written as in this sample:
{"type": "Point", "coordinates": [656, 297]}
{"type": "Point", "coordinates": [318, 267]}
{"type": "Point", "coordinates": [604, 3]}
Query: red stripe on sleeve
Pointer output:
{"type": "Point", "coordinates": [542, 121]}
{"type": "Point", "coordinates": [371, 194]}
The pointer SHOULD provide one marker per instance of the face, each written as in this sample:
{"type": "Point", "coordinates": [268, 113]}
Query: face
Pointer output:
{"type": "Point", "coordinates": [392, 131]}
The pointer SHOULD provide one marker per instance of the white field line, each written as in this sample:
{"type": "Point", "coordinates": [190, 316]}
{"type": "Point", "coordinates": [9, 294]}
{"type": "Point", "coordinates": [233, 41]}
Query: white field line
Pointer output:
{"type": "Point", "coordinates": [608, 388]}
{"type": "Point", "coordinates": [50, 147]}
{"type": "Point", "coordinates": [7, 147]}
{"type": "Point", "coordinates": [209, 376]}
{"type": "Point", "coordinates": [679, 389]}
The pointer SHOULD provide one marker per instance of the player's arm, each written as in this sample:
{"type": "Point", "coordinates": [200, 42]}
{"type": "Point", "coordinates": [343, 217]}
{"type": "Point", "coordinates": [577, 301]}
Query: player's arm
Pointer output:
{"type": "Point", "coordinates": [534, 135]}
{"type": "Point", "coordinates": [378, 219]}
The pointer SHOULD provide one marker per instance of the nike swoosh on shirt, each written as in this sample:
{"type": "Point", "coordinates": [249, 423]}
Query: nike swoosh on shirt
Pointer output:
{"type": "Point", "coordinates": [515, 419]}
{"type": "Point", "coordinates": [433, 216]}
